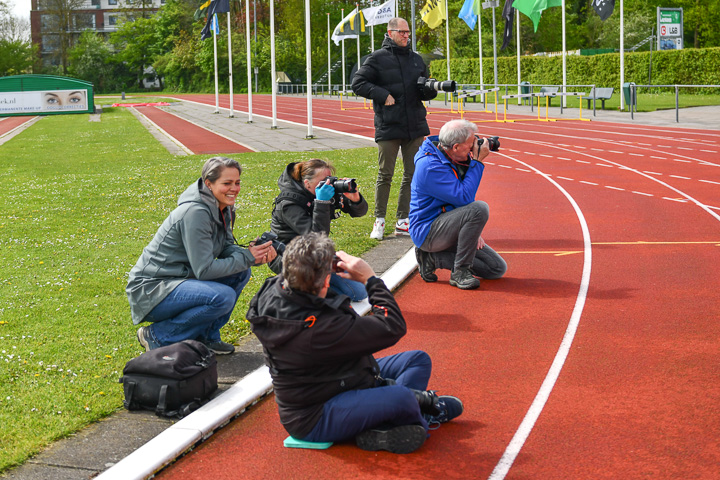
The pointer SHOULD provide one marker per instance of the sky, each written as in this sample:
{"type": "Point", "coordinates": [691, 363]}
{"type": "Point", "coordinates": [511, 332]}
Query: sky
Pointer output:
{"type": "Point", "coordinates": [20, 8]}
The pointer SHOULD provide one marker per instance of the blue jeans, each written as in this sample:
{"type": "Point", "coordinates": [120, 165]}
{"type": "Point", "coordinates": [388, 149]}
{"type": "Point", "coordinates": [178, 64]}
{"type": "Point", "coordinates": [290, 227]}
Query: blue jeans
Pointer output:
{"type": "Point", "coordinates": [355, 290]}
{"type": "Point", "coordinates": [350, 413]}
{"type": "Point", "coordinates": [196, 309]}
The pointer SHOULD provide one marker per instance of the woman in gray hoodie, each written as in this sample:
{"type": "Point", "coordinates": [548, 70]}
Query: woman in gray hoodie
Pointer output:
{"type": "Point", "coordinates": [188, 279]}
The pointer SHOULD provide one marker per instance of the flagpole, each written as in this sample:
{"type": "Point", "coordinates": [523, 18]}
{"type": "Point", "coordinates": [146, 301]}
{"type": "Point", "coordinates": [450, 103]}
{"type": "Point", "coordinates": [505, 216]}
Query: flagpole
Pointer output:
{"type": "Point", "coordinates": [479, 22]}
{"type": "Point", "coordinates": [359, 27]}
{"type": "Point", "coordinates": [412, 23]}
{"type": "Point", "coordinates": [329, 63]}
{"type": "Point", "coordinates": [447, 41]}
{"type": "Point", "coordinates": [564, 57]}
{"type": "Point", "coordinates": [494, 48]}
{"type": "Point", "coordinates": [308, 68]}
{"type": "Point", "coordinates": [249, 68]}
{"type": "Point", "coordinates": [230, 77]}
{"type": "Point", "coordinates": [622, 56]}
{"type": "Point", "coordinates": [272, 65]}
{"type": "Point", "coordinates": [342, 14]}
{"type": "Point", "coordinates": [517, 19]}
{"type": "Point", "coordinates": [214, 34]}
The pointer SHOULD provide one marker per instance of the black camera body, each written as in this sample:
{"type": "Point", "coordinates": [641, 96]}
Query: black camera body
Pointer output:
{"type": "Point", "coordinates": [342, 185]}
{"type": "Point", "coordinates": [493, 143]}
{"type": "Point", "coordinates": [432, 84]}
{"type": "Point", "coordinates": [276, 244]}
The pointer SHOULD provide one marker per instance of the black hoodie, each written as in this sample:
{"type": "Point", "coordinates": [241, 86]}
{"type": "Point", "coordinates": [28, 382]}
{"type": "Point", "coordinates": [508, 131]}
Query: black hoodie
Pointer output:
{"type": "Point", "coordinates": [318, 347]}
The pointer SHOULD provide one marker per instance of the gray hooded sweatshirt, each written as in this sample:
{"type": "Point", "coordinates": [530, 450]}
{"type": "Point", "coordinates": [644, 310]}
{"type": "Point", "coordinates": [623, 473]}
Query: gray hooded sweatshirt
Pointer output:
{"type": "Point", "coordinates": [194, 242]}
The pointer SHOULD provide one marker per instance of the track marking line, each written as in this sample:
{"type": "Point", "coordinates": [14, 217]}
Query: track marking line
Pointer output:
{"type": "Point", "coordinates": [709, 181]}
{"type": "Point", "coordinates": [681, 200]}
{"type": "Point", "coordinates": [652, 173]}
{"type": "Point", "coordinates": [566, 178]}
{"type": "Point", "coordinates": [658, 158]}
{"type": "Point", "coordinates": [588, 183]}
{"type": "Point", "coordinates": [603, 165]}
{"type": "Point", "coordinates": [548, 156]}
{"type": "Point", "coordinates": [614, 188]}
{"type": "Point", "coordinates": [681, 160]}
{"type": "Point", "coordinates": [684, 148]}
{"type": "Point", "coordinates": [642, 193]}
{"type": "Point", "coordinates": [709, 151]}
{"type": "Point", "coordinates": [513, 449]}
{"type": "Point", "coordinates": [583, 161]}
{"type": "Point", "coordinates": [680, 177]}
{"type": "Point", "coordinates": [636, 154]}
{"type": "Point", "coordinates": [563, 158]}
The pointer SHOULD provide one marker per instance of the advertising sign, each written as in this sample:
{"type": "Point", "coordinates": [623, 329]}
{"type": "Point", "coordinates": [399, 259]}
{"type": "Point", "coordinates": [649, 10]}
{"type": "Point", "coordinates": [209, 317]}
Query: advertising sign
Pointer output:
{"type": "Point", "coordinates": [43, 102]}
{"type": "Point", "coordinates": [670, 28]}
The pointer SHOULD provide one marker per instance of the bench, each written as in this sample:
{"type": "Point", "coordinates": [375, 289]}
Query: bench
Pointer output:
{"type": "Point", "coordinates": [549, 91]}
{"type": "Point", "coordinates": [601, 94]}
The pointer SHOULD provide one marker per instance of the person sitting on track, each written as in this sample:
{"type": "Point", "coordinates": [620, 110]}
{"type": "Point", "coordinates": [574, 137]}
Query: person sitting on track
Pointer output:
{"type": "Point", "coordinates": [188, 279]}
{"type": "Point", "coordinates": [328, 386]}
{"type": "Point", "coordinates": [446, 222]}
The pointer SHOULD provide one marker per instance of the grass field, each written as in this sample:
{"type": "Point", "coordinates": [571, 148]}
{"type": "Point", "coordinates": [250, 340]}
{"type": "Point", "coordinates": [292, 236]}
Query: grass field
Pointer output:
{"type": "Point", "coordinates": [79, 202]}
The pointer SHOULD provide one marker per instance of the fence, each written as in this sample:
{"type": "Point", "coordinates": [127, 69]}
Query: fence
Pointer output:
{"type": "Point", "coordinates": [632, 101]}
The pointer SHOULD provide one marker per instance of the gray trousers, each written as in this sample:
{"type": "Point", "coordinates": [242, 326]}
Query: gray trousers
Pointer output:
{"type": "Point", "coordinates": [453, 241]}
{"type": "Point", "coordinates": [387, 155]}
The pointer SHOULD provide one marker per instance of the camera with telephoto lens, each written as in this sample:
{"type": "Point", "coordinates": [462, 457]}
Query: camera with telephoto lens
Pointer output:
{"type": "Point", "coordinates": [342, 185]}
{"type": "Point", "coordinates": [432, 84]}
{"type": "Point", "coordinates": [493, 143]}
{"type": "Point", "coordinates": [276, 244]}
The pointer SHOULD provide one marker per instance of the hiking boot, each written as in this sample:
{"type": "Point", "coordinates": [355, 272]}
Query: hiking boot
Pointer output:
{"type": "Point", "coordinates": [426, 265]}
{"type": "Point", "coordinates": [449, 408]}
{"type": "Point", "coordinates": [402, 227]}
{"type": "Point", "coordinates": [378, 230]}
{"type": "Point", "coordinates": [463, 279]}
{"type": "Point", "coordinates": [401, 439]}
{"type": "Point", "coordinates": [146, 339]}
{"type": "Point", "coordinates": [219, 347]}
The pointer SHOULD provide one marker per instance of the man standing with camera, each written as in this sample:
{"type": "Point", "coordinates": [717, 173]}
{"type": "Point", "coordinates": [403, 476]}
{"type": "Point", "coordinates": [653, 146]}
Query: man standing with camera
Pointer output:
{"type": "Point", "coordinates": [389, 77]}
{"type": "Point", "coordinates": [446, 222]}
{"type": "Point", "coordinates": [328, 386]}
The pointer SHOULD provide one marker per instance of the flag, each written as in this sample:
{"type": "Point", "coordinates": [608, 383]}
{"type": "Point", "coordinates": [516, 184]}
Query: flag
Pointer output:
{"type": "Point", "coordinates": [508, 14]}
{"type": "Point", "coordinates": [433, 13]}
{"type": "Point", "coordinates": [534, 8]}
{"type": "Point", "coordinates": [202, 10]}
{"type": "Point", "coordinates": [216, 6]}
{"type": "Point", "coordinates": [380, 14]}
{"type": "Point", "coordinates": [350, 27]}
{"type": "Point", "coordinates": [215, 25]}
{"type": "Point", "coordinates": [469, 13]}
{"type": "Point", "coordinates": [604, 8]}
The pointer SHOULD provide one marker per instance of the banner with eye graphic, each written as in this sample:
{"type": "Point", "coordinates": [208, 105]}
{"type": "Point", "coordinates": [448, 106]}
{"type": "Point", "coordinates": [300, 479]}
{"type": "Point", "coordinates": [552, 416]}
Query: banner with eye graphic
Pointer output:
{"type": "Point", "coordinates": [44, 94]}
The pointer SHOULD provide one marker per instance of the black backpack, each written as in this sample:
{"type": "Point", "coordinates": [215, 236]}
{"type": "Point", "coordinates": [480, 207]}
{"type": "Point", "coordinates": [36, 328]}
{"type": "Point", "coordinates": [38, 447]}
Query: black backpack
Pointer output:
{"type": "Point", "coordinates": [173, 380]}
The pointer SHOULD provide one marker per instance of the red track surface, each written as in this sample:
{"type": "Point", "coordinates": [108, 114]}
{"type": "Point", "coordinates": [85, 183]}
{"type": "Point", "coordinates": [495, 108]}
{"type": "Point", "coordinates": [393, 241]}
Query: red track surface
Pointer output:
{"type": "Point", "coordinates": [9, 123]}
{"type": "Point", "coordinates": [638, 395]}
{"type": "Point", "coordinates": [195, 138]}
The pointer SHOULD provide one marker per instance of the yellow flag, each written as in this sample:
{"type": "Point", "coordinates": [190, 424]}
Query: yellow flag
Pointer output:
{"type": "Point", "coordinates": [433, 13]}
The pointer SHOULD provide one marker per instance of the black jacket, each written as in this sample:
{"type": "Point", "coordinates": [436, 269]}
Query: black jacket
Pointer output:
{"type": "Point", "coordinates": [297, 212]}
{"type": "Point", "coordinates": [318, 347]}
{"type": "Point", "coordinates": [395, 70]}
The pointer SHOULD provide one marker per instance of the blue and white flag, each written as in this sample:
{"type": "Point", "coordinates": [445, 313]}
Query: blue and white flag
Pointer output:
{"type": "Point", "coordinates": [381, 14]}
{"type": "Point", "coordinates": [469, 13]}
{"type": "Point", "coordinates": [215, 25]}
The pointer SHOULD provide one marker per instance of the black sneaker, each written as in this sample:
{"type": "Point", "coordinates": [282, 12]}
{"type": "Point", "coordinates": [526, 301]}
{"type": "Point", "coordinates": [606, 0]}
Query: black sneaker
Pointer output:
{"type": "Point", "coordinates": [449, 408]}
{"type": "Point", "coordinates": [464, 279]}
{"type": "Point", "coordinates": [146, 339]}
{"type": "Point", "coordinates": [402, 439]}
{"type": "Point", "coordinates": [426, 265]}
{"type": "Point", "coordinates": [219, 347]}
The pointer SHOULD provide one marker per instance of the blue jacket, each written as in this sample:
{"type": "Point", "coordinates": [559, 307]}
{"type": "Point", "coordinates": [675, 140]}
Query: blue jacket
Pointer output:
{"type": "Point", "coordinates": [436, 188]}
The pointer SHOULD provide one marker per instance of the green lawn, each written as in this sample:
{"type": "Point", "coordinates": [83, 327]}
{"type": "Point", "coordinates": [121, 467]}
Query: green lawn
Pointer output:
{"type": "Point", "coordinates": [79, 202]}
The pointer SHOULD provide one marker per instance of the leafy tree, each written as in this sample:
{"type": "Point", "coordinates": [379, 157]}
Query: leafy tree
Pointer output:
{"type": "Point", "coordinates": [59, 21]}
{"type": "Point", "coordinates": [137, 44]}
{"type": "Point", "coordinates": [92, 59]}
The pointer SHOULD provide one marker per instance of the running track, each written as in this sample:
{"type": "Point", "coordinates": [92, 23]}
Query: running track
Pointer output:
{"type": "Point", "coordinates": [597, 356]}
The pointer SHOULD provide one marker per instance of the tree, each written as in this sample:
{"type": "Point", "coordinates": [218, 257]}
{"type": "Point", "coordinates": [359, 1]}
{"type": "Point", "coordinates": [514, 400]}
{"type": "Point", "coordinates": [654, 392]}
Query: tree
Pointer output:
{"type": "Point", "coordinates": [137, 45]}
{"type": "Point", "coordinates": [58, 22]}
{"type": "Point", "coordinates": [92, 59]}
{"type": "Point", "coordinates": [17, 53]}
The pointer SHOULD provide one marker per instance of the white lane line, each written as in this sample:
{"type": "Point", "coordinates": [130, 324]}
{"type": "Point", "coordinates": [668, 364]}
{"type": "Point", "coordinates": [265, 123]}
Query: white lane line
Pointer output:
{"type": "Point", "coordinates": [643, 193]}
{"type": "Point", "coordinates": [615, 188]}
{"type": "Point", "coordinates": [681, 160]}
{"type": "Point", "coordinates": [504, 166]}
{"type": "Point", "coordinates": [603, 165]}
{"type": "Point", "coordinates": [566, 178]}
{"type": "Point", "coordinates": [710, 181]}
{"type": "Point", "coordinates": [658, 158]}
{"type": "Point", "coordinates": [582, 161]}
{"type": "Point", "coordinates": [548, 156]}
{"type": "Point", "coordinates": [563, 158]}
{"type": "Point", "coordinates": [652, 173]}
{"type": "Point", "coordinates": [513, 449]}
{"type": "Point", "coordinates": [680, 177]}
{"type": "Point", "coordinates": [637, 154]}
{"type": "Point", "coordinates": [681, 200]}
{"type": "Point", "coordinates": [709, 151]}
{"type": "Point", "coordinates": [588, 183]}
{"type": "Point", "coordinates": [685, 148]}
{"type": "Point", "coordinates": [615, 151]}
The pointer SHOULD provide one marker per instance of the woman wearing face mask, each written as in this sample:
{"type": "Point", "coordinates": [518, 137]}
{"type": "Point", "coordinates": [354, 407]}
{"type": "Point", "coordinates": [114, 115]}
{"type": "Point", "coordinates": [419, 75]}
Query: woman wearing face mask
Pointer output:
{"type": "Point", "coordinates": [187, 280]}
{"type": "Point", "coordinates": [308, 203]}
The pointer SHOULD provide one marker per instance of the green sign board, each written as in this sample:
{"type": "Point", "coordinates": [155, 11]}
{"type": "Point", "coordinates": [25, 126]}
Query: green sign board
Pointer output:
{"type": "Point", "coordinates": [44, 95]}
{"type": "Point", "coordinates": [670, 28]}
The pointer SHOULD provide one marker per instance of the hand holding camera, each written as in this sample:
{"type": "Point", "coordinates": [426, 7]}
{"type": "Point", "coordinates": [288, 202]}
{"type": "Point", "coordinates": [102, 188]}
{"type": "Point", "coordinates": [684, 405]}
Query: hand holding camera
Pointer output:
{"type": "Point", "coordinates": [330, 186]}
{"type": "Point", "coordinates": [353, 268]}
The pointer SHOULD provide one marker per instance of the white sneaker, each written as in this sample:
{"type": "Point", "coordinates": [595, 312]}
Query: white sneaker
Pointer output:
{"type": "Point", "coordinates": [378, 230]}
{"type": "Point", "coordinates": [402, 227]}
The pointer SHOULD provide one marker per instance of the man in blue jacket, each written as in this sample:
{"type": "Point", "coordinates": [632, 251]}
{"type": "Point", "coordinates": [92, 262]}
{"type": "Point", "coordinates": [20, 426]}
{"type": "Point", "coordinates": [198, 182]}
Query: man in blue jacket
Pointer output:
{"type": "Point", "coordinates": [446, 222]}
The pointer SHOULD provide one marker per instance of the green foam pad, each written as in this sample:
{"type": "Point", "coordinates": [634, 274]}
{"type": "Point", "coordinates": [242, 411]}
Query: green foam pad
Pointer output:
{"type": "Point", "coordinates": [292, 442]}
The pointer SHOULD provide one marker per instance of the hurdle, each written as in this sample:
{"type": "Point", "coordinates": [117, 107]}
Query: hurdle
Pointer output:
{"type": "Point", "coordinates": [342, 94]}
{"type": "Point", "coordinates": [572, 94]}
{"type": "Point", "coordinates": [463, 94]}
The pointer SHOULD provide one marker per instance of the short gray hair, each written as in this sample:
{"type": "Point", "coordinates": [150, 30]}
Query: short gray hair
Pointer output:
{"type": "Point", "coordinates": [456, 131]}
{"type": "Point", "coordinates": [307, 261]}
{"type": "Point", "coordinates": [214, 167]}
{"type": "Point", "coordinates": [393, 23]}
